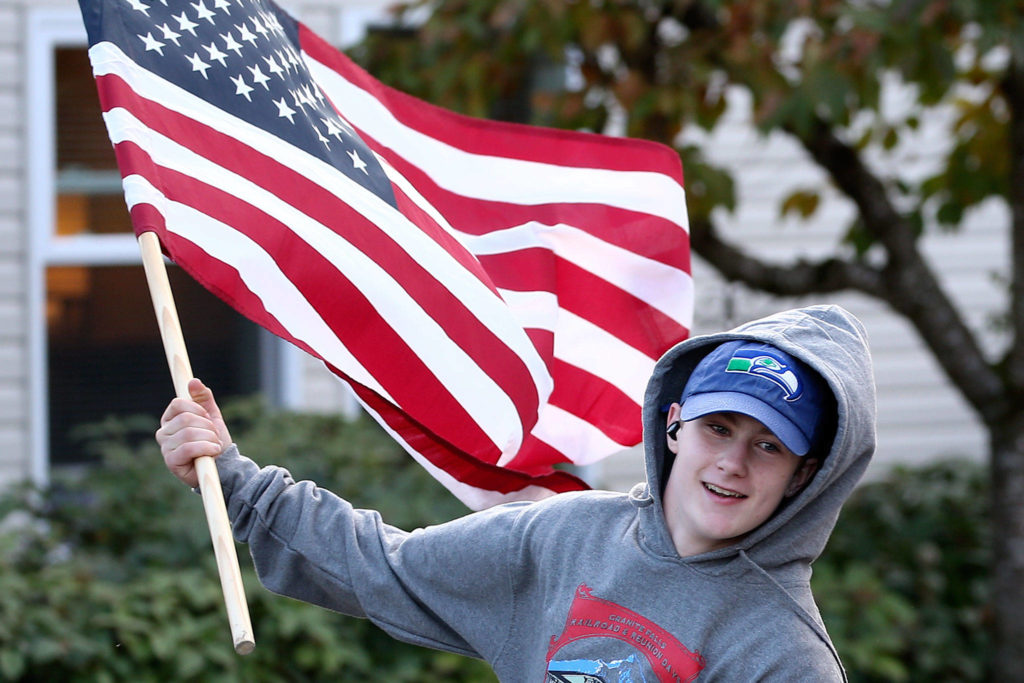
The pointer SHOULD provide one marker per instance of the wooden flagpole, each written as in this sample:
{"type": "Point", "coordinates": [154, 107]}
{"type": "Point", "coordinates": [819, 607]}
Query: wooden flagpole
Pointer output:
{"type": "Point", "coordinates": [209, 481]}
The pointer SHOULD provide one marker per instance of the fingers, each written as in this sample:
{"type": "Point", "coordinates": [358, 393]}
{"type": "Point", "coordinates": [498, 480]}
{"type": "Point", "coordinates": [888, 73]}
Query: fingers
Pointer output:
{"type": "Point", "coordinates": [185, 434]}
{"type": "Point", "coordinates": [182, 406]}
{"type": "Point", "coordinates": [191, 428]}
{"type": "Point", "coordinates": [186, 428]}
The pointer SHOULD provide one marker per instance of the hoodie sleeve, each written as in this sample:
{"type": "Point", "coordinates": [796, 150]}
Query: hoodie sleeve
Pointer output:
{"type": "Point", "coordinates": [446, 587]}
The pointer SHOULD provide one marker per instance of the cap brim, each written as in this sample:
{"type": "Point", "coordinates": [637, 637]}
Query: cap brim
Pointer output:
{"type": "Point", "coordinates": [699, 405]}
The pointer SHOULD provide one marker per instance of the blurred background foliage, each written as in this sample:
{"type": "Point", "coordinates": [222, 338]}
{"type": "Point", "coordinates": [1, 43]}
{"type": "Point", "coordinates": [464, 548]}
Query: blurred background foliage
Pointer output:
{"type": "Point", "coordinates": [903, 585]}
{"type": "Point", "coordinates": [109, 575]}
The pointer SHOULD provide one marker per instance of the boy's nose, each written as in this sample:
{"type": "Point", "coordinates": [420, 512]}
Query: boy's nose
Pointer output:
{"type": "Point", "coordinates": [733, 460]}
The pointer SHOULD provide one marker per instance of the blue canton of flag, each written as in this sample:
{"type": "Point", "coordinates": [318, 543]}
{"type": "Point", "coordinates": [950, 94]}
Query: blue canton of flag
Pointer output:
{"type": "Point", "coordinates": [241, 56]}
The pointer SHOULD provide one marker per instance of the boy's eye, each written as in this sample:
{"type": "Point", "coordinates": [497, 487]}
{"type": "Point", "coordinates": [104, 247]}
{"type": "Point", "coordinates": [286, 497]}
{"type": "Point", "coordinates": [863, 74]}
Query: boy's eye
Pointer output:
{"type": "Point", "coordinates": [718, 429]}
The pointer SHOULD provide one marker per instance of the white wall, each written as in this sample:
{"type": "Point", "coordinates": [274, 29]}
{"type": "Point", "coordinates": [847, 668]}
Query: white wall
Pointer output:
{"type": "Point", "coordinates": [14, 429]}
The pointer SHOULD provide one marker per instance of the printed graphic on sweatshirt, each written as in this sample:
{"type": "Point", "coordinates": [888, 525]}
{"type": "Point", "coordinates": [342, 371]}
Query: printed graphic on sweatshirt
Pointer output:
{"type": "Point", "coordinates": [628, 670]}
{"type": "Point", "coordinates": [592, 617]}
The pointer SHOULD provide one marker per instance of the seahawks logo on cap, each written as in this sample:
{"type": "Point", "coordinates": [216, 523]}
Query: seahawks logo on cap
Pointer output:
{"type": "Point", "coordinates": [769, 368]}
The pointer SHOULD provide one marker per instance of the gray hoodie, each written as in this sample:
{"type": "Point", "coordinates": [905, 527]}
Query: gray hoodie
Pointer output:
{"type": "Point", "coordinates": [587, 586]}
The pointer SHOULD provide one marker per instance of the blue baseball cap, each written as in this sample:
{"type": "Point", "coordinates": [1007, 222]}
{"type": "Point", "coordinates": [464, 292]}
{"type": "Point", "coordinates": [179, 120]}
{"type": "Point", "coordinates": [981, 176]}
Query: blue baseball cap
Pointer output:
{"type": "Point", "coordinates": [759, 380]}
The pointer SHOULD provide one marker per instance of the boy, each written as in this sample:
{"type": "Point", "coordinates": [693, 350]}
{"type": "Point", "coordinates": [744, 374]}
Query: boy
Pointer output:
{"type": "Point", "coordinates": [753, 440]}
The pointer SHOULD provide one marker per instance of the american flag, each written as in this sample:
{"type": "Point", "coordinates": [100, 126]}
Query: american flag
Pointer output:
{"type": "Point", "coordinates": [495, 294]}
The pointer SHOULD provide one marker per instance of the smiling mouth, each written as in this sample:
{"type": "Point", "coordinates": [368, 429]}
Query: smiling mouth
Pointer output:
{"type": "Point", "coordinates": [724, 493]}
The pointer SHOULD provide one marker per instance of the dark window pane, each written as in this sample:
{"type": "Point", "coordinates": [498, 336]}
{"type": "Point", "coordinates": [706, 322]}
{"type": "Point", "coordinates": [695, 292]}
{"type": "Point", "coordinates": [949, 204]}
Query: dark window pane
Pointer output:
{"type": "Point", "coordinates": [106, 357]}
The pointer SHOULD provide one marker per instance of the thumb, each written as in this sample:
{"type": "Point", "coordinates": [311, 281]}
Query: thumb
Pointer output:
{"type": "Point", "coordinates": [203, 395]}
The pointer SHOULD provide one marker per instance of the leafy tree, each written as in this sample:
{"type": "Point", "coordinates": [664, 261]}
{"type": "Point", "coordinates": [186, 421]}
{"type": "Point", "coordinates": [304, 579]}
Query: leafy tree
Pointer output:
{"type": "Point", "coordinates": [814, 72]}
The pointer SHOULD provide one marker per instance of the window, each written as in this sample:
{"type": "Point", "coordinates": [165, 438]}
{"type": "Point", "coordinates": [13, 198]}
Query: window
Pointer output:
{"type": "Point", "coordinates": [96, 344]}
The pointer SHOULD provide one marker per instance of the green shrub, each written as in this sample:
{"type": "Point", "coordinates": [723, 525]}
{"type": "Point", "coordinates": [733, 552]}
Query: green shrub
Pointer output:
{"type": "Point", "coordinates": [109, 574]}
{"type": "Point", "coordinates": [903, 583]}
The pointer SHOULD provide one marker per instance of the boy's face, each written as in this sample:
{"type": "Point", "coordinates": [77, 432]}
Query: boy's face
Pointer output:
{"type": "Point", "coordinates": [730, 474]}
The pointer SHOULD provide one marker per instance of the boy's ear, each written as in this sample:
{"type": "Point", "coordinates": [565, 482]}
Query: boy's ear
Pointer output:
{"type": "Point", "coordinates": [803, 474]}
{"type": "Point", "coordinates": [672, 425]}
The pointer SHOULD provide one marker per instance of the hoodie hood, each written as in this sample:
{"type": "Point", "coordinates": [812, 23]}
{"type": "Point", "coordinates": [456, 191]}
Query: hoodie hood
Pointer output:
{"type": "Point", "coordinates": [833, 343]}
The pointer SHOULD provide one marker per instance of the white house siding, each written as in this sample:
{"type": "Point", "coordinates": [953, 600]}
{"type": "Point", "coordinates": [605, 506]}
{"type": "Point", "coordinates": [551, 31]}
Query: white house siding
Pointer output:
{"type": "Point", "coordinates": [14, 460]}
{"type": "Point", "coordinates": [920, 416]}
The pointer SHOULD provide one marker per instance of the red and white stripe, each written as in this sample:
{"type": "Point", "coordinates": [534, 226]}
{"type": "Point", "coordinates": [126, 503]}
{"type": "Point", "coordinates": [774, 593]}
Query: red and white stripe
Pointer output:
{"type": "Point", "coordinates": [504, 319]}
